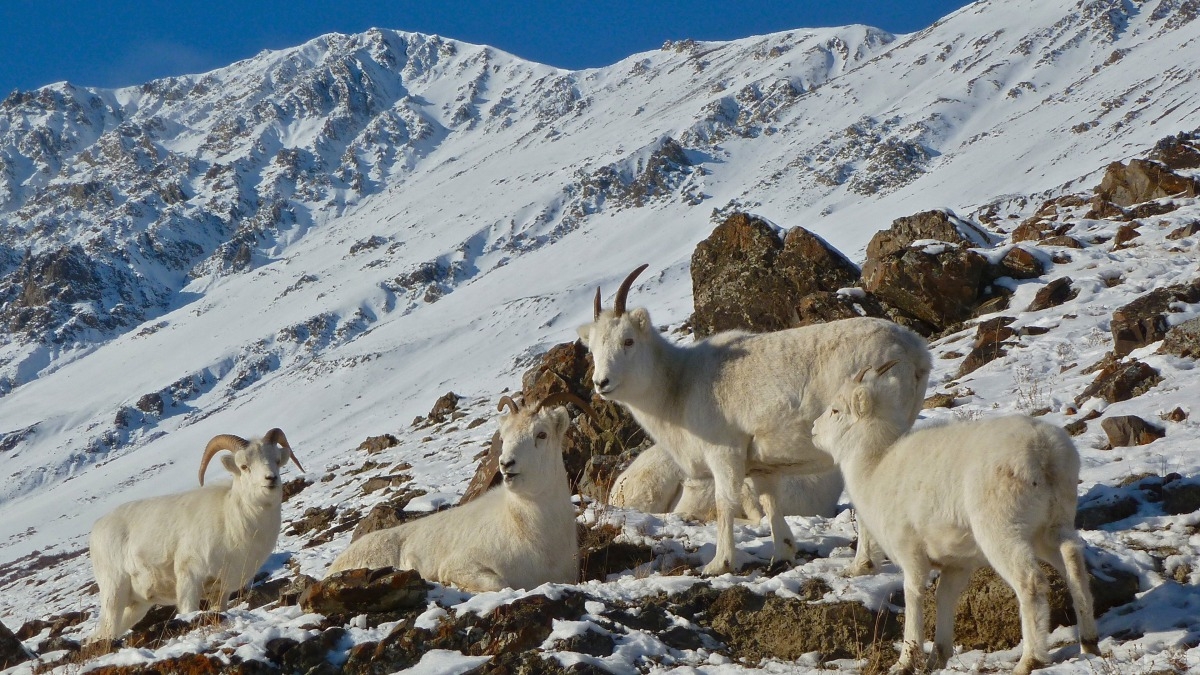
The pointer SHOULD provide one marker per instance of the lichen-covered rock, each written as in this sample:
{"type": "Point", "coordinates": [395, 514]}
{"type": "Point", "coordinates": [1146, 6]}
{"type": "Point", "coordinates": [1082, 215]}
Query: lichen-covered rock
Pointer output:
{"type": "Point", "coordinates": [1182, 340]}
{"type": "Point", "coordinates": [361, 591]}
{"type": "Point", "coordinates": [1144, 320]}
{"type": "Point", "coordinates": [1181, 151]}
{"type": "Point", "coordinates": [375, 444]}
{"type": "Point", "coordinates": [940, 285]}
{"type": "Point", "coordinates": [746, 276]}
{"type": "Point", "coordinates": [1142, 180]}
{"type": "Point", "coordinates": [1052, 294]}
{"type": "Point", "coordinates": [1120, 381]}
{"type": "Point", "coordinates": [939, 225]}
{"type": "Point", "coordinates": [1019, 263]}
{"type": "Point", "coordinates": [989, 343]}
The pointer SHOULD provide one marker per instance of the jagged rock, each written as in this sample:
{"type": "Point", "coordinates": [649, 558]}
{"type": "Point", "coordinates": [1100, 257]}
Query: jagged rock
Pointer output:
{"type": "Point", "coordinates": [939, 285]}
{"type": "Point", "coordinates": [188, 664]}
{"type": "Point", "coordinates": [1019, 263]}
{"type": "Point", "coordinates": [388, 514]}
{"type": "Point", "coordinates": [1144, 320]}
{"type": "Point", "coordinates": [1176, 415]}
{"type": "Point", "coordinates": [535, 663]}
{"type": "Point", "coordinates": [1075, 427]}
{"type": "Point", "coordinates": [311, 656]}
{"type": "Point", "coordinates": [938, 400]}
{"type": "Point", "coordinates": [757, 627]}
{"type": "Point", "coordinates": [1182, 340]}
{"type": "Point", "coordinates": [12, 652]}
{"type": "Point", "coordinates": [520, 625]}
{"type": "Point", "coordinates": [988, 616]}
{"type": "Point", "coordinates": [1061, 240]}
{"type": "Point", "coordinates": [826, 306]}
{"type": "Point", "coordinates": [1181, 151]}
{"type": "Point", "coordinates": [938, 225]}
{"type": "Point", "coordinates": [487, 472]}
{"type": "Point", "coordinates": [283, 591]}
{"type": "Point", "coordinates": [591, 642]}
{"type": "Point", "coordinates": [1121, 381]}
{"type": "Point", "coordinates": [57, 624]}
{"type": "Point", "coordinates": [161, 624]}
{"type": "Point", "coordinates": [1125, 234]}
{"type": "Point", "coordinates": [989, 344]}
{"type": "Point", "coordinates": [744, 275]}
{"type": "Point", "coordinates": [1184, 231]}
{"type": "Point", "coordinates": [375, 444]}
{"type": "Point", "coordinates": [375, 483]}
{"type": "Point", "coordinates": [1052, 294]}
{"type": "Point", "coordinates": [1037, 227]}
{"type": "Point", "coordinates": [1126, 430]}
{"type": "Point", "coordinates": [601, 555]}
{"type": "Point", "coordinates": [1142, 180]}
{"type": "Point", "coordinates": [361, 591]}
{"type": "Point", "coordinates": [151, 404]}
{"type": "Point", "coordinates": [599, 474]}
{"type": "Point", "coordinates": [1105, 510]}
{"type": "Point", "coordinates": [443, 408]}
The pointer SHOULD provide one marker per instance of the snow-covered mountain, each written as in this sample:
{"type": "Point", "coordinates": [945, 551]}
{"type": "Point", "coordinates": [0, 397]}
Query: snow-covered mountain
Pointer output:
{"type": "Point", "coordinates": [327, 238]}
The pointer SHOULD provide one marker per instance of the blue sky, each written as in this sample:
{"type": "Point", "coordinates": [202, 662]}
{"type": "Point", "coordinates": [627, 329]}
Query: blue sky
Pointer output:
{"type": "Point", "coordinates": [112, 44]}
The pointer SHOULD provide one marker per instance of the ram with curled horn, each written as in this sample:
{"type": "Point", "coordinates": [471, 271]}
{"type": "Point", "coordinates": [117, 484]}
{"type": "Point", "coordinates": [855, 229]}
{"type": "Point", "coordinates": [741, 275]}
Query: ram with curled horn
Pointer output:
{"type": "Point", "coordinates": [738, 404]}
{"type": "Point", "coordinates": [204, 543]}
{"type": "Point", "coordinates": [511, 536]}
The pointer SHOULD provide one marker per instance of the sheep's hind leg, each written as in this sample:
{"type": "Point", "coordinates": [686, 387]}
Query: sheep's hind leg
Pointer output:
{"type": "Point", "coordinates": [1066, 555]}
{"type": "Point", "coordinates": [1014, 560]}
{"type": "Point", "coordinates": [114, 596]}
{"type": "Point", "coordinates": [951, 584]}
{"type": "Point", "coordinates": [728, 469]}
{"type": "Point", "coordinates": [782, 538]}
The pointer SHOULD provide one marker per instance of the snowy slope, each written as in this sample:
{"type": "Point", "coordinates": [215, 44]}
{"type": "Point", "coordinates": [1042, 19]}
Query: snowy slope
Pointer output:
{"type": "Point", "coordinates": [327, 238]}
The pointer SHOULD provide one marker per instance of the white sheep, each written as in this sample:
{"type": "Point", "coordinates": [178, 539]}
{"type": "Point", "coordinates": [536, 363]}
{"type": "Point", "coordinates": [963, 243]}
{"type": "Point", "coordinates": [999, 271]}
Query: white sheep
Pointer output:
{"type": "Point", "coordinates": [954, 497]}
{"type": "Point", "coordinates": [655, 483]}
{"type": "Point", "coordinates": [739, 404]}
{"type": "Point", "coordinates": [206, 542]}
{"type": "Point", "coordinates": [519, 534]}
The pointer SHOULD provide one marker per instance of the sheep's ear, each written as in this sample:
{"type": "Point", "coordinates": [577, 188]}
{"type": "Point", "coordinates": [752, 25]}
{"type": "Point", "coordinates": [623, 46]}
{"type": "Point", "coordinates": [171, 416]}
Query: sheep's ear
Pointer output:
{"type": "Point", "coordinates": [230, 464]}
{"type": "Point", "coordinates": [562, 420]}
{"type": "Point", "coordinates": [640, 318]}
{"type": "Point", "coordinates": [861, 402]}
{"type": "Point", "coordinates": [585, 332]}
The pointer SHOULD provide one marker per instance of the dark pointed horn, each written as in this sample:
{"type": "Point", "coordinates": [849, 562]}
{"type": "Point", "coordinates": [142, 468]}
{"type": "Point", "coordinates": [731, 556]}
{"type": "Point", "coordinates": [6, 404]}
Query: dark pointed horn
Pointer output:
{"type": "Point", "coordinates": [217, 444]}
{"type": "Point", "coordinates": [506, 401]}
{"type": "Point", "coordinates": [276, 437]}
{"type": "Point", "coordinates": [886, 367]}
{"type": "Point", "coordinates": [597, 305]}
{"type": "Point", "coordinates": [619, 302]}
{"type": "Point", "coordinates": [861, 374]}
{"type": "Point", "coordinates": [560, 397]}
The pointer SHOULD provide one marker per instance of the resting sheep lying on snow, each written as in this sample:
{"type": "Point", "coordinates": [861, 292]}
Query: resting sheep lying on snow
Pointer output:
{"type": "Point", "coordinates": [204, 542]}
{"type": "Point", "coordinates": [655, 483]}
{"type": "Point", "coordinates": [739, 404]}
{"type": "Point", "coordinates": [520, 534]}
{"type": "Point", "coordinates": [958, 496]}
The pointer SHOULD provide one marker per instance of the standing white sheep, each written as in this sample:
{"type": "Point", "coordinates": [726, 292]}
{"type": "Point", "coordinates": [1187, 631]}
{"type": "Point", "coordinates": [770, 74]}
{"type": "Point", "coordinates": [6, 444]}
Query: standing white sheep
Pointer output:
{"type": "Point", "coordinates": [955, 497]}
{"type": "Point", "coordinates": [655, 483]}
{"type": "Point", "coordinates": [739, 404]}
{"type": "Point", "coordinates": [206, 542]}
{"type": "Point", "coordinates": [519, 534]}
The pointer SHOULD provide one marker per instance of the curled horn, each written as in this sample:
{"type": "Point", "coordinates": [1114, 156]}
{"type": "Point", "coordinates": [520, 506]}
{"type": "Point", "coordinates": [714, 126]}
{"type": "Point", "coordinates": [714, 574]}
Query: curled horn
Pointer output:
{"type": "Point", "coordinates": [886, 367]}
{"type": "Point", "coordinates": [597, 305]}
{"type": "Point", "coordinates": [507, 401]}
{"type": "Point", "coordinates": [217, 444]}
{"type": "Point", "coordinates": [567, 397]}
{"type": "Point", "coordinates": [861, 374]}
{"type": "Point", "coordinates": [619, 302]}
{"type": "Point", "coordinates": [276, 437]}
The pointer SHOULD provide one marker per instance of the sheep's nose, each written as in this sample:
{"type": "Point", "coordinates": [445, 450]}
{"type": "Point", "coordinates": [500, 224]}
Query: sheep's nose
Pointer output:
{"type": "Point", "coordinates": [600, 384]}
{"type": "Point", "coordinates": [507, 463]}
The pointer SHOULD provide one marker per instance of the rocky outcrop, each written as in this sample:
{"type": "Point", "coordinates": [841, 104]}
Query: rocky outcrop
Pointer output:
{"type": "Point", "coordinates": [940, 285]}
{"type": "Point", "coordinates": [938, 225]}
{"type": "Point", "coordinates": [1125, 430]}
{"type": "Point", "coordinates": [1144, 321]}
{"type": "Point", "coordinates": [12, 652]}
{"type": "Point", "coordinates": [990, 337]}
{"type": "Point", "coordinates": [1141, 181]}
{"type": "Point", "coordinates": [366, 591]}
{"type": "Point", "coordinates": [745, 275]}
{"type": "Point", "coordinates": [1120, 381]}
{"type": "Point", "coordinates": [1052, 294]}
{"type": "Point", "coordinates": [1182, 340]}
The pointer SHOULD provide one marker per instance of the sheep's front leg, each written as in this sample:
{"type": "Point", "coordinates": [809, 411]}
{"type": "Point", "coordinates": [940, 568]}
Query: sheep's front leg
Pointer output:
{"type": "Point", "coordinates": [951, 584]}
{"type": "Point", "coordinates": [782, 539]}
{"type": "Point", "coordinates": [728, 469]}
{"type": "Point", "coordinates": [865, 554]}
{"type": "Point", "coordinates": [916, 573]}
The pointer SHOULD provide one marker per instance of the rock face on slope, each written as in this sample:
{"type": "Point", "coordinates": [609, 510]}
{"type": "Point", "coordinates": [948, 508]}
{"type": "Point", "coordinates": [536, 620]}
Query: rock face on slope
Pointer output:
{"type": "Point", "coordinates": [1143, 180]}
{"type": "Point", "coordinates": [747, 275]}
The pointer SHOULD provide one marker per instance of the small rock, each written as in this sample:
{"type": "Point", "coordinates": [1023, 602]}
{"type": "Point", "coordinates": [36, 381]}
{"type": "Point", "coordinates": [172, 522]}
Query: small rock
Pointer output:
{"type": "Point", "coordinates": [1176, 415]}
{"type": "Point", "coordinates": [12, 652]}
{"type": "Point", "coordinates": [1104, 511]}
{"type": "Point", "coordinates": [938, 400]}
{"type": "Point", "coordinates": [1052, 294]}
{"type": "Point", "coordinates": [361, 591]}
{"type": "Point", "coordinates": [1127, 430]}
{"type": "Point", "coordinates": [375, 444]}
{"type": "Point", "coordinates": [1180, 497]}
{"type": "Point", "coordinates": [1121, 381]}
{"type": "Point", "coordinates": [1184, 231]}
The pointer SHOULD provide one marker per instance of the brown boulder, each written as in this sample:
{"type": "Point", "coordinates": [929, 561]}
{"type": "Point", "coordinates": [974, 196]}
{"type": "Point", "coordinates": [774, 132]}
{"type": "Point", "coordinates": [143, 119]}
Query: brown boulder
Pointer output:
{"type": "Point", "coordinates": [939, 285]}
{"type": "Point", "coordinates": [1126, 430]}
{"type": "Point", "coordinates": [1183, 231]}
{"type": "Point", "coordinates": [1142, 180]}
{"type": "Point", "coordinates": [1037, 227]}
{"type": "Point", "coordinates": [1182, 340]}
{"type": "Point", "coordinates": [1181, 151]}
{"type": "Point", "coordinates": [1061, 240]}
{"type": "Point", "coordinates": [1121, 381]}
{"type": "Point", "coordinates": [361, 591]}
{"type": "Point", "coordinates": [745, 276]}
{"type": "Point", "coordinates": [989, 343]}
{"type": "Point", "coordinates": [375, 444]}
{"type": "Point", "coordinates": [938, 225]}
{"type": "Point", "coordinates": [388, 514]}
{"type": "Point", "coordinates": [1052, 294]}
{"type": "Point", "coordinates": [1144, 320]}
{"type": "Point", "coordinates": [1019, 263]}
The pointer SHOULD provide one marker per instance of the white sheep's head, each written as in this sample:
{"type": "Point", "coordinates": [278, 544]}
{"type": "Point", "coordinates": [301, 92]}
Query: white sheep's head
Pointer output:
{"type": "Point", "coordinates": [620, 343]}
{"type": "Point", "coordinates": [862, 399]}
{"type": "Point", "coordinates": [255, 465]}
{"type": "Point", "coordinates": [531, 441]}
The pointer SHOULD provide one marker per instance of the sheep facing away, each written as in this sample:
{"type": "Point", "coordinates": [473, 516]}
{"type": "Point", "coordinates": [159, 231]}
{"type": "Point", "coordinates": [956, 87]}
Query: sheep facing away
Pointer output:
{"type": "Point", "coordinates": [739, 404]}
{"type": "Point", "coordinates": [655, 483]}
{"type": "Point", "coordinates": [207, 542]}
{"type": "Point", "coordinates": [519, 534]}
{"type": "Point", "coordinates": [955, 497]}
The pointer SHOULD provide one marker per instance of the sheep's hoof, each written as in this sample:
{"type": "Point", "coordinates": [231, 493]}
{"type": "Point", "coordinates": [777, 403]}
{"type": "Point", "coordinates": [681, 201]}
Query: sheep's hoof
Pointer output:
{"type": "Point", "coordinates": [1090, 647]}
{"type": "Point", "coordinates": [716, 568]}
{"type": "Point", "coordinates": [1027, 666]}
{"type": "Point", "coordinates": [939, 656]}
{"type": "Point", "coordinates": [859, 569]}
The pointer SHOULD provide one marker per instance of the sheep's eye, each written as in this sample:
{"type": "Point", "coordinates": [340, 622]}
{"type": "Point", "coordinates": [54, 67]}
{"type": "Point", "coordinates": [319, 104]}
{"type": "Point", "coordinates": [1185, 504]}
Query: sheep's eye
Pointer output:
{"type": "Point", "coordinates": [541, 435]}
{"type": "Point", "coordinates": [628, 342]}
{"type": "Point", "coordinates": [245, 467]}
{"type": "Point", "coordinates": [834, 411]}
